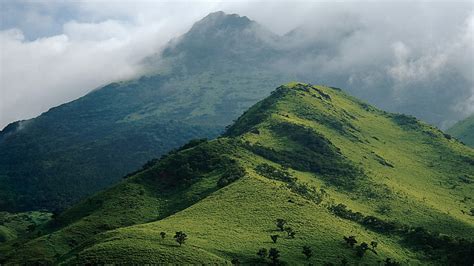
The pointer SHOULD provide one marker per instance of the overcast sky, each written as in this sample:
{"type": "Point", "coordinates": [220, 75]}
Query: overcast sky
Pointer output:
{"type": "Point", "coordinates": [52, 52]}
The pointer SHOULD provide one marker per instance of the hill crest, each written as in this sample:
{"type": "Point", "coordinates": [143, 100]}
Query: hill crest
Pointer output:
{"type": "Point", "coordinates": [317, 158]}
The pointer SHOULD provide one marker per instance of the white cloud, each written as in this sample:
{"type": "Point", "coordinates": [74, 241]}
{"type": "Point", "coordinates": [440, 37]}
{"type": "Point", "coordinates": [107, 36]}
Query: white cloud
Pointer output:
{"type": "Point", "coordinates": [385, 48]}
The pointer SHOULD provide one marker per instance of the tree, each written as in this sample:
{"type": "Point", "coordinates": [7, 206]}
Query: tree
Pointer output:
{"type": "Point", "coordinates": [180, 237]}
{"type": "Point", "coordinates": [307, 252]}
{"type": "Point", "coordinates": [274, 238]}
{"type": "Point", "coordinates": [290, 232]}
{"type": "Point", "coordinates": [390, 262]}
{"type": "Point", "coordinates": [350, 240]}
{"type": "Point", "coordinates": [235, 261]}
{"type": "Point", "coordinates": [361, 249]}
{"type": "Point", "coordinates": [274, 254]}
{"type": "Point", "coordinates": [280, 223]}
{"type": "Point", "coordinates": [374, 244]}
{"type": "Point", "coordinates": [163, 235]}
{"type": "Point", "coordinates": [262, 253]}
{"type": "Point", "coordinates": [344, 261]}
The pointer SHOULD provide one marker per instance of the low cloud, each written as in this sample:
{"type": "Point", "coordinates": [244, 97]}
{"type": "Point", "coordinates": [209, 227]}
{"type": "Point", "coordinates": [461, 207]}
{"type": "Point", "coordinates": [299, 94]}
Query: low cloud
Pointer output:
{"type": "Point", "coordinates": [404, 57]}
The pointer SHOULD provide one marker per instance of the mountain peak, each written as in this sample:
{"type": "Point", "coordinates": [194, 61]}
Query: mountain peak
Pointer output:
{"type": "Point", "coordinates": [221, 20]}
{"type": "Point", "coordinates": [223, 39]}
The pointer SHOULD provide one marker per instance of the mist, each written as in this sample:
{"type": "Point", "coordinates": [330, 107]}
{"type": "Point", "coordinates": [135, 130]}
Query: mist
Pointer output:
{"type": "Point", "coordinates": [415, 58]}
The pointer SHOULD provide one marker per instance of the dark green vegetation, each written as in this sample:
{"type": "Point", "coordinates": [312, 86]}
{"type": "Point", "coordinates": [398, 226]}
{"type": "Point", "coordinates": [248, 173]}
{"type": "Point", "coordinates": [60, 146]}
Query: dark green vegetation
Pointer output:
{"type": "Point", "coordinates": [464, 131]}
{"type": "Point", "coordinates": [268, 191]}
{"type": "Point", "coordinates": [20, 224]}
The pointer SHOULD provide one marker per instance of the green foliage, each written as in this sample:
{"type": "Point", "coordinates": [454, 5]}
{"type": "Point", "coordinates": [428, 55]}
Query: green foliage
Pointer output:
{"type": "Point", "coordinates": [13, 225]}
{"type": "Point", "coordinates": [274, 255]}
{"type": "Point", "coordinates": [289, 231]}
{"type": "Point", "coordinates": [308, 252]}
{"type": "Point", "coordinates": [280, 223]}
{"type": "Point", "coordinates": [361, 249]}
{"type": "Point", "coordinates": [180, 237]}
{"type": "Point", "coordinates": [464, 131]}
{"type": "Point", "coordinates": [262, 254]}
{"type": "Point", "coordinates": [350, 240]}
{"type": "Point", "coordinates": [311, 152]}
{"type": "Point", "coordinates": [412, 210]}
{"type": "Point", "coordinates": [274, 238]}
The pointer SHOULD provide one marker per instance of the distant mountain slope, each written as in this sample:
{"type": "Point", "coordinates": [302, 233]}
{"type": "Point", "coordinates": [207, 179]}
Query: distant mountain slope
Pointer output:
{"type": "Point", "coordinates": [83, 146]}
{"type": "Point", "coordinates": [327, 163]}
{"type": "Point", "coordinates": [464, 130]}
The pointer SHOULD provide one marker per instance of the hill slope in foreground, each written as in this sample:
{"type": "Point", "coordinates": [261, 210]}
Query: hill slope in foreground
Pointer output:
{"type": "Point", "coordinates": [464, 131]}
{"type": "Point", "coordinates": [328, 164]}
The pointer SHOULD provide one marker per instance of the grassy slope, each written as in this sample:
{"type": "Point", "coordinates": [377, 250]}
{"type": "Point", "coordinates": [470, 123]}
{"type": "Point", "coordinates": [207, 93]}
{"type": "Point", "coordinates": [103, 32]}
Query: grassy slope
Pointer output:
{"type": "Point", "coordinates": [464, 130]}
{"type": "Point", "coordinates": [13, 225]}
{"type": "Point", "coordinates": [412, 174]}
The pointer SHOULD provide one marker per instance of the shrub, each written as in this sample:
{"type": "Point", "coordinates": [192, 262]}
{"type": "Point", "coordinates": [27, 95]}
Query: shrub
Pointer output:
{"type": "Point", "coordinates": [274, 255]}
{"type": "Point", "coordinates": [290, 232]}
{"type": "Point", "coordinates": [350, 240]}
{"type": "Point", "coordinates": [390, 262]}
{"type": "Point", "coordinates": [361, 249]}
{"type": "Point", "coordinates": [280, 223]}
{"type": "Point", "coordinates": [262, 253]}
{"type": "Point", "coordinates": [307, 252]}
{"type": "Point", "coordinates": [180, 237]}
{"type": "Point", "coordinates": [374, 244]}
{"type": "Point", "coordinates": [274, 238]}
{"type": "Point", "coordinates": [163, 235]}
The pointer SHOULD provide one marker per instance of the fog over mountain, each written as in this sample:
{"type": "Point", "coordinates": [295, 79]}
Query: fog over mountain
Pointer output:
{"type": "Point", "coordinates": [417, 58]}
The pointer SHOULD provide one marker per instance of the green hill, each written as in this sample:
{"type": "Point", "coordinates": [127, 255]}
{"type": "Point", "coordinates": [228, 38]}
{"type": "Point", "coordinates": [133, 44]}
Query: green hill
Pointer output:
{"type": "Point", "coordinates": [464, 130]}
{"type": "Point", "coordinates": [328, 164]}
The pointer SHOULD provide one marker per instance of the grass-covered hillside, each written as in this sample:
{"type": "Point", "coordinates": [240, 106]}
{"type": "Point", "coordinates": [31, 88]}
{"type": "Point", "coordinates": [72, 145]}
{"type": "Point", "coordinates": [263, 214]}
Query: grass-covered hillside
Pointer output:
{"type": "Point", "coordinates": [308, 175]}
{"type": "Point", "coordinates": [13, 225]}
{"type": "Point", "coordinates": [464, 131]}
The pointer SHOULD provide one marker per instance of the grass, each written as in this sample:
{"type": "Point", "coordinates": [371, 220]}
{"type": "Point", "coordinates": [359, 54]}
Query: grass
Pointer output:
{"type": "Point", "coordinates": [464, 130]}
{"type": "Point", "coordinates": [400, 171]}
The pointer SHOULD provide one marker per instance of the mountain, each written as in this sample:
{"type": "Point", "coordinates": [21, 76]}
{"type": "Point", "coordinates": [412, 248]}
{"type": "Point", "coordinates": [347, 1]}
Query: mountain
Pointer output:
{"type": "Point", "coordinates": [464, 131]}
{"type": "Point", "coordinates": [329, 165]}
{"type": "Point", "coordinates": [198, 85]}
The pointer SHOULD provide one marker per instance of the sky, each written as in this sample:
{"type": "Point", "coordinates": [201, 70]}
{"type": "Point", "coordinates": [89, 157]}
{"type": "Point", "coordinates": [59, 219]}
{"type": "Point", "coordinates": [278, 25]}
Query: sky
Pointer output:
{"type": "Point", "coordinates": [52, 52]}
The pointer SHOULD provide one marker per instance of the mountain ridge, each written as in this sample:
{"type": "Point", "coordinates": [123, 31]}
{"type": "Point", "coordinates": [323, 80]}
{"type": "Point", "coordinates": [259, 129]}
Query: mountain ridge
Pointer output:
{"type": "Point", "coordinates": [226, 193]}
{"type": "Point", "coordinates": [464, 130]}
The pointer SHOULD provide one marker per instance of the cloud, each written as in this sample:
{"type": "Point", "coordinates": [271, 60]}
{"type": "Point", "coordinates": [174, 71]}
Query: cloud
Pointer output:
{"type": "Point", "coordinates": [401, 56]}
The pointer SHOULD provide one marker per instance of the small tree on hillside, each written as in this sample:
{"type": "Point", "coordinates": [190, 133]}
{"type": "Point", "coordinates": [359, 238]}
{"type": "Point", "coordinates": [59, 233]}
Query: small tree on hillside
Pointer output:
{"type": "Point", "coordinates": [163, 235]}
{"type": "Point", "coordinates": [274, 238]}
{"type": "Point", "coordinates": [180, 237]}
{"type": "Point", "coordinates": [262, 254]}
{"type": "Point", "coordinates": [361, 249]}
{"type": "Point", "coordinates": [374, 245]}
{"type": "Point", "coordinates": [274, 255]}
{"type": "Point", "coordinates": [390, 262]}
{"type": "Point", "coordinates": [350, 240]}
{"type": "Point", "coordinates": [290, 232]}
{"type": "Point", "coordinates": [280, 223]}
{"type": "Point", "coordinates": [307, 252]}
{"type": "Point", "coordinates": [235, 261]}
